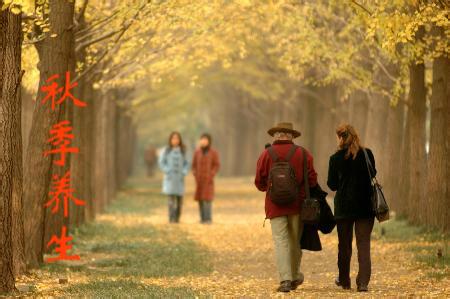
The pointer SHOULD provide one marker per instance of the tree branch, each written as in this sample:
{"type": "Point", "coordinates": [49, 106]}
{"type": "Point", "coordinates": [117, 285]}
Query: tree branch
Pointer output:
{"type": "Point", "coordinates": [125, 27]}
{"type": "Point", "coordinates": [93, 25]}
{"type": "Point", "coordinates": [362, 7]}
{"type": "Point", "coordinates": [98, 39]}
{"type": "Point", "coordinates": [82, 11]}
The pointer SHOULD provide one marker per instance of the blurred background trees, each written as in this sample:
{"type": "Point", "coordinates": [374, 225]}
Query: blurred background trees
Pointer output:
{"type": "Point", "coordinates": [233, 68]}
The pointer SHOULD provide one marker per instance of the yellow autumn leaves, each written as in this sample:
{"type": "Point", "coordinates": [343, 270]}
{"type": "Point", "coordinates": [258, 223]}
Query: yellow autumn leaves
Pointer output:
{"type": "Point", "coordinates": [313, 42]}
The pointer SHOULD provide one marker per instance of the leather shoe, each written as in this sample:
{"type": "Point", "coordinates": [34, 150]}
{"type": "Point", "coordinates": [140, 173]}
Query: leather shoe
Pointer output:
{"type": "Point", "coordinates": [296, 283]}
{"type": "Point", "coordinates": [285, 286]}
{"type": "Point", "coordinates": [363, 289]}
{"type": "Point", "coordinates": [339, 284]}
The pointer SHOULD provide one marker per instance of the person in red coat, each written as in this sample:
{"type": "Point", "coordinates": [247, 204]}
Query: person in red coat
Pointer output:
{"type": "Point", "coordinates": [285, 221]}
{"type": "Point", "coordinates": [205, 166]}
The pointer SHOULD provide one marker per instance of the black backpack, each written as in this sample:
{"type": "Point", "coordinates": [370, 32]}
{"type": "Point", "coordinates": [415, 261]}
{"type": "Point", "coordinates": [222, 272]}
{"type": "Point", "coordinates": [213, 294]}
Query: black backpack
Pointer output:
{"type": "Point", "coordinates": [283, 185]}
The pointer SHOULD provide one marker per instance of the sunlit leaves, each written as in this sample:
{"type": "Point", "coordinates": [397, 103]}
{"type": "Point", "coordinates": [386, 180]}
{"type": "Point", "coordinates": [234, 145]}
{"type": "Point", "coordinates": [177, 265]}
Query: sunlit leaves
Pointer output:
{"type": "Point", "coordinates": [396, 24]}
{"type": "Point", "coordinates": [260, 46]}
{"type": "Point", "coordinates": [18, 6]}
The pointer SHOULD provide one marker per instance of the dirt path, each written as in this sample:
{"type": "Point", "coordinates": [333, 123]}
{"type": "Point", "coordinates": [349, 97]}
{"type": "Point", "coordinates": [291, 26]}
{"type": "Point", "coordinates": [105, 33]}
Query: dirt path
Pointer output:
{"type": "Point", "coordinates": [243, 258]}
{"type": "Point", "coordinates": [239, 258]}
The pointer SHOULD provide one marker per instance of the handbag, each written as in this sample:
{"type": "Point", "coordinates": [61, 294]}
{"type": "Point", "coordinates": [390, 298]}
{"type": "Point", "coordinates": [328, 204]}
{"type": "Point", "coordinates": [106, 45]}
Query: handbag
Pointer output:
{"type": "Point", "coordinates": [310, 212]}
{"type": "Point", "coordinates": [379, 204]}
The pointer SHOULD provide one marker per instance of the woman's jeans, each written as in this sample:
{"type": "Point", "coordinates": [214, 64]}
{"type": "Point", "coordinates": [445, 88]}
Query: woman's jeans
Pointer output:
{"type": "Point", "coordinates": [363, 230]}
{"type": "Point", "coordinates": [205, 211]}
{"type": "Point", "coordinates": [175, 205]}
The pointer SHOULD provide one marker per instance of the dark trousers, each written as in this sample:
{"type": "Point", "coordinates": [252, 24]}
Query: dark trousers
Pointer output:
{"type": "Point", "coordinates": [363, 230]}
{"type": "Point", "coordinates": [175, 205]}
{"type": "Point", "coordinates": [205, 211]}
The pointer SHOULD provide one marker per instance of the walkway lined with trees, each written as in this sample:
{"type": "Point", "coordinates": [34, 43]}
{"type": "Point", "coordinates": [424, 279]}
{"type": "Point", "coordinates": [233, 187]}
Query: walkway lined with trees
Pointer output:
{"type": "Point", "coordinates": [131, 249]}
{"type": "Point", "coordinates": [229, 67]}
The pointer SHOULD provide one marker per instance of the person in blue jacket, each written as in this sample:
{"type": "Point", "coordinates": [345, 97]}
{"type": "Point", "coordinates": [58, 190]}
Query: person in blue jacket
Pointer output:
{"type": "Point", "coordinates": [175, 166]}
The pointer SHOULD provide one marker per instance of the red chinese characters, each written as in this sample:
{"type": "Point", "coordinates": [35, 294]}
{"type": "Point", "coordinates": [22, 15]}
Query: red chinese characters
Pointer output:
{"type": "Point", "coordinates": [61, 190]}
{"type": "Point", "coordinates": [53, 90]}
{"type": "Point", "coordinates": [61, 137]}
{"type": "Point", "coordinates": [62, 247]}
{"type": "Point", "coordinates": [60, 140]}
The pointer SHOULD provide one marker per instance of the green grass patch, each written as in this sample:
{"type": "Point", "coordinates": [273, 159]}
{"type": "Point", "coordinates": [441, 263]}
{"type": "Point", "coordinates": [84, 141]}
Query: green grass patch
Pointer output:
{"type": "Point", "coordinates": [122, 247]}
{"type": "Point", "coordinates": [126, 288]}
{"type": "Point", "coordinates": [400, 230]}
{"type": "Point", "coordinates": [430, 247]}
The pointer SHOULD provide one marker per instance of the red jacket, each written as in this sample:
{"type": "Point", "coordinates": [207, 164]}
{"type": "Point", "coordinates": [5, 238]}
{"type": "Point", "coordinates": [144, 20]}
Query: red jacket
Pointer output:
{"type": "Point", "coordinates": [205, 167]}
{"type": "Point", "coordinates": [282, 148]}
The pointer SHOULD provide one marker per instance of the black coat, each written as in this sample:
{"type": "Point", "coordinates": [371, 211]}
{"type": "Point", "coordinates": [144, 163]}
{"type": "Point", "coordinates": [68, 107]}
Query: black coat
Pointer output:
{"type": "Point", "coordinates": [310, 237]}
{"type": "Point", "coordinates": [350, 178]}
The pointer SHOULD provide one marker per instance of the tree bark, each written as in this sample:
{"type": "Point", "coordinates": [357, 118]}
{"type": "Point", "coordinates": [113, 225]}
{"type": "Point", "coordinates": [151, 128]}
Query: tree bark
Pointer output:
{"type": "Point", "coordinates": [111, 162]}
{"type": "Point", "coordinates": [27, 117]}
{"type": "Point", "coordinates": [11, 230]}
{"type": "Point", "coordinates": [376, 131]}
{"type": "Point", "coordinates": [79, 176]}
{"type": "Point", "coordinates": [438, 164]}
{"type": "Point", "coordinates": [124, 146]}
{"type": "Point", "coordinates": [404, 181]}
{"type": "Point", "coordinates": [325, 140]}
{"type": "Point", "coordinates": [55, 57]}
{"type": "Point", "coordinates": [100, 161]}
{"type": "Point", "coordinates": [393, 155]}
{"type": "Point", "coordinates": [88, 139]}
{"type": "Point", "coordinates": [417, 154]}
{"type": "Point", "coordinates": [359, 111]}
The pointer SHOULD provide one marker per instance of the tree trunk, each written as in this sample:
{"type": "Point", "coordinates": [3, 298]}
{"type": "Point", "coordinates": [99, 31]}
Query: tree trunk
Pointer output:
{"type": "Point", "coordinates": [100, 161]}
{"type": "Point", "coordinates": [124, 146]}
{"type": "Point", "coordinates": [417, 155]}
{"type": "Point", "coordinates": [376, 132]}
{"type": "Point", "coordinates": [359, 111]}
{"type": "Point", "coordinates": [18, 220]}
{"type": "Point", "coordinates": [393, 155]}
{"type": "Point", "coordinates": [79, 177]}
{"type": "Point", "coordinates": [404, 181]}
{"type": "Point", "coordinates": [11, 229]}
{"type": "Point", "coordinates": [325, 141]}
{"type": "Point", "coordinates": [55, 57]}
{"type": "Point", "coordinates": [439, 162]}
{"type": "Point", "coordinates": [27, 117]}
{"type": "Point", "coordinates": [306, 105]}
{"type": "Point", "coordinates": [88, 139]}
{"type": "Point", "coordinates": [109, 148]}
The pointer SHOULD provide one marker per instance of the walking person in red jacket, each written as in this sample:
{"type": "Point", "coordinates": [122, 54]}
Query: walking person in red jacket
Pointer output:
{"type": "Point", "coordinates": [205, 166]}
{"type": "Point", "coordinates": [285, 218]}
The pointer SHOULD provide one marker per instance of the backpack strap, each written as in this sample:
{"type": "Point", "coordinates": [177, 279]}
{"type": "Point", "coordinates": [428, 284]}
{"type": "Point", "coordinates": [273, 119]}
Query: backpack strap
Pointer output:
{"type": "Point", "coordinates": [305, 173]}
{"type": "Point", "coordinates": [276, 158]}
{"type": "Point", "coordinates": [291, 153]}
{"type": "Point", "coordinates": [272, 154]}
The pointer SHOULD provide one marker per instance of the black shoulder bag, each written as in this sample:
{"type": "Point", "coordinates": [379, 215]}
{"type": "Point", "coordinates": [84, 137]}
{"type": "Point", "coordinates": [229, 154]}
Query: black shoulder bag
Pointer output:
{"type": "Point", "coordinates": [379, 204]}
{"type": "Point", "coordinates": [310, 211]}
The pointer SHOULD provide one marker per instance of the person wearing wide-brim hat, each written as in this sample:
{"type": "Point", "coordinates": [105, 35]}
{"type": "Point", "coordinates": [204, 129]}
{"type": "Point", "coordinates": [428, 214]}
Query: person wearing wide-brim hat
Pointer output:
{"type": "Point", "coordinates": [284, 128]}
{"type": "Point", "coordinates": [285, 219]}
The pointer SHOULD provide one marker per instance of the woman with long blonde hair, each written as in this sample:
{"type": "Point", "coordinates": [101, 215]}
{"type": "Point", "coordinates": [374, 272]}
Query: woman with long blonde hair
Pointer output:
{"type": "Point", "coordinates": [349, 177]}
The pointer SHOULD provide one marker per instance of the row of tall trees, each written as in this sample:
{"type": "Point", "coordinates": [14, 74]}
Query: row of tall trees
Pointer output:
{"type": "Point", "coordinates": [233, 67]}
{"type": "Point", "coordinates": [103, 131]}
{"type": "Point", "coordinates": [382, 67]}
{"type": "Point", "coordinates": [107, 47]}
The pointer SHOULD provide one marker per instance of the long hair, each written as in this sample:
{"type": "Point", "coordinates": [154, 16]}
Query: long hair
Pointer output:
{"type": "Point", "coordinates": [348, 139]}
{"type": "Point", "coordinates": [182, 146]}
